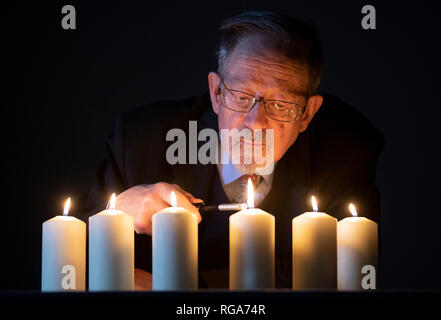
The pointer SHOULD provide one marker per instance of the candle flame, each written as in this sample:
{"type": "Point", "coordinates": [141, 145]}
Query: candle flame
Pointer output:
{"type": "Point", "coordinates": [173, 201]}
{"type": "Point", "coordinates": [353, 210]}
{"type": "Point", "coordinates": [314, 204]}
{"type": "Point", "coordinates": [250, 194]}
{"type": "Point", "coordinates": [112, 203]}
{"type": "Point", "coordinates": [66, 207]}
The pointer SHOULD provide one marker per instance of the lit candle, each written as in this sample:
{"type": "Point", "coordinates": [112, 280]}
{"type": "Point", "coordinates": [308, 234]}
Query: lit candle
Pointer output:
{"type": "Point", "coordinates": [357, 249]}
{"type": "Point", "coordinates": [63, 259]}
{"type": "Point", "coordinates": [252, 242]}
{"type": "Point", "coordinates": [111, 250]}
{"type": "Point", "coordinates": [175, 248]}
{"type": "Point", "coordinates": [314, 250]}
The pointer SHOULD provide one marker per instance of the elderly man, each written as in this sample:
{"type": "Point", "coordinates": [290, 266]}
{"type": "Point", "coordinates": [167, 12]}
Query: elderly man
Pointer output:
{"type": "Point", "coordinates": [269, 69]}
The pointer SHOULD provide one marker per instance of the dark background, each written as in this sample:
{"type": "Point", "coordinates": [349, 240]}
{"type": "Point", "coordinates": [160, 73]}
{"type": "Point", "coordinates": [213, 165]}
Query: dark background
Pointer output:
{"type": "Point", "coordinates": [65, 88]}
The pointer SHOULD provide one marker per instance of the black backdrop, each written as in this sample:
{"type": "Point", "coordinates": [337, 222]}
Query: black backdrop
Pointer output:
{"type": "Point", "coordinates": [65, 88]}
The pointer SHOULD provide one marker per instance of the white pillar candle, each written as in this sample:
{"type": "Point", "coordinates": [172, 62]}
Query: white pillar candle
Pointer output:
{"type": "Point", "coordinates": [357, 247]}
{"type": "Point", "coordinates": [252, 243]}
{"type": "Point", "coordinates": [175, 248]}
{"type": "Point", "coordinates": [111, 250]}
{"type": "Point", "coordinates": [63, 259]}
{"type": "Point", "coordinates": [314, 251]}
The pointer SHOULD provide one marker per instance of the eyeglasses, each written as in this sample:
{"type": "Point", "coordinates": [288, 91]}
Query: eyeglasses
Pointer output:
{"type": "Point", "coordinates": [244, 102]}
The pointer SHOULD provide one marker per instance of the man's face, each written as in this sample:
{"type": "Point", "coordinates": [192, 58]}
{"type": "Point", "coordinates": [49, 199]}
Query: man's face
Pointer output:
{"type": "Point", "coordinates": [268, 75]}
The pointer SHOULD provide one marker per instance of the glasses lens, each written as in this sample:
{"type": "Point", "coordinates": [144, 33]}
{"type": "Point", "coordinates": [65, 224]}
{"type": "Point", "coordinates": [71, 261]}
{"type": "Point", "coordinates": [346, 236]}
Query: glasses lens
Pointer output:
{"type": "Point", "coordinates": [237, 101]}
{"type": "Point", "coordinates": [281, 111]}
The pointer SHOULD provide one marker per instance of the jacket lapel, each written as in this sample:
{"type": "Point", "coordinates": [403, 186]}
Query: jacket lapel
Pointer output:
{"type": "Point", "coordinates": [291, 182]}
{"type": "Point", "coordinates": [198, 179]}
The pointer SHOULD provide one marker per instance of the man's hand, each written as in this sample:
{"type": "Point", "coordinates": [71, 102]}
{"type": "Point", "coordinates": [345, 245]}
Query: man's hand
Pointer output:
{"type": "Point", "coordinates": [142, 201]}
{"type": "Point", "coordinates": [143, 280]}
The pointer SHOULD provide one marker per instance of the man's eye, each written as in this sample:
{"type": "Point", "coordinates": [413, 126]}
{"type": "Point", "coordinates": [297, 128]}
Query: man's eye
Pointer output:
{"type": "Point", "coordinates": [280, 107]}
{"type": "Point", "coordinates": [243, 98]}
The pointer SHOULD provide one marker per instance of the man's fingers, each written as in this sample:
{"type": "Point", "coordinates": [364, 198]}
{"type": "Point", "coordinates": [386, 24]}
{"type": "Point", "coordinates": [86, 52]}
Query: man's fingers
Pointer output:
{"type": "Point", "coordinates": [143, 221]}
{"type": "Point", "coordinates": [191, 197]}
{"type": "Point", "coordinates": [183, 202]}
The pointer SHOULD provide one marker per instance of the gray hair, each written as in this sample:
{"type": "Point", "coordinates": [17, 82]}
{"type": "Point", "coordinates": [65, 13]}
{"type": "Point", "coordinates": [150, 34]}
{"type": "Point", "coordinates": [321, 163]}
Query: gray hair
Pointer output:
{"type": "Point", "coordinates": [289, 36]}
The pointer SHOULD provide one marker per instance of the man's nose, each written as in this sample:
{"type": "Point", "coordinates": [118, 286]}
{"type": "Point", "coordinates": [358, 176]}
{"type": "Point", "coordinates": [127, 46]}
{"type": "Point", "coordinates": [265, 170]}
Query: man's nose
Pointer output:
{"type": "Point", "coordinates": [256, 118]}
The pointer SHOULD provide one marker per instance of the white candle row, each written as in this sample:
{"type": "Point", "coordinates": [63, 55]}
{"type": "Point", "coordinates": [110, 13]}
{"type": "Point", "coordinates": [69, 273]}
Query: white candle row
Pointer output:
{"type": "Point", "coordinates": [111, 252]}
{"type": "Point", "coordinates": [325, 254]}
{"type": "Point", "coordinates": [329, 255]}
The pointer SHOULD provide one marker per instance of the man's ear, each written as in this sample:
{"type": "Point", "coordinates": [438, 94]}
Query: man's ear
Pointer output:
{"type": "Point", "coordinates": [214, 83]}
{"type": "Point", "coordinates": [314, 103]}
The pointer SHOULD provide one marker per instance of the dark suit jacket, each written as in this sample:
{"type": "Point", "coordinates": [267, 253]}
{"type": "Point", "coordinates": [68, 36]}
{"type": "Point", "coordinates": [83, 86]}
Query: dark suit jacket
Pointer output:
{"type": "Point", "coordinates": [334, 159]}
